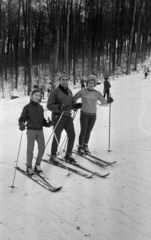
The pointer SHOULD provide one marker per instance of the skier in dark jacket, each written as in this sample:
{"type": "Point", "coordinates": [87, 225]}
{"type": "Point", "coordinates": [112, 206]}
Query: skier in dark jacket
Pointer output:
{"type": "Point", "coordinates": [60, 102]}
{"type": "Point", "coordinates": [82, 82]}
{"type": "Point", "coordinates": [33, 115]}
{"type": "Point", "coordinates": [107, 87]}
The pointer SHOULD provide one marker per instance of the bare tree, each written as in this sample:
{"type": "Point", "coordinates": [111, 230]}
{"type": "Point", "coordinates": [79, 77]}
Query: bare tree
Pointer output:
{"type": "Point", "coordinates": [29, 47]}
{"type": "Point", "coordinates": [131, 39]}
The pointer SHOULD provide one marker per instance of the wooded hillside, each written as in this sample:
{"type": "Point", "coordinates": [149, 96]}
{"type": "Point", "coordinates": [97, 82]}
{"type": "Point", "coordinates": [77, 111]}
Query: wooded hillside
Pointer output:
{"type": "Point", "coordinates": [44, 37]}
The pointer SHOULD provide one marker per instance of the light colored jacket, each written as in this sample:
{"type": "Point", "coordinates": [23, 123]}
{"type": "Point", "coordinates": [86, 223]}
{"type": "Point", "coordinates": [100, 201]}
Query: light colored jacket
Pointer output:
{"type": "Point", "coordinates": [89, 100]}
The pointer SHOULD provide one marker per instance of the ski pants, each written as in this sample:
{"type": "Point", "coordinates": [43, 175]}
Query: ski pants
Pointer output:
{"type": "Point", "coordinates": [32, 136]}
{"type": "Point", "coordinates": [107, 92]}
{"type": "Point", "coordinates": [65, 123]}
{"type": "Point", "coordinates": [82, 86]}
{"type": "Point", "coordinates": [87, 123]}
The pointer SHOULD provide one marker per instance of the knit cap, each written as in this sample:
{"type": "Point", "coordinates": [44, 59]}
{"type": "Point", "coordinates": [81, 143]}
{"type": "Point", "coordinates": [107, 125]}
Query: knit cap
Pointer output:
{"type": "Point", "coordinates": [92, 77]}
{"type": "Point", "coordinates": [63, 75]}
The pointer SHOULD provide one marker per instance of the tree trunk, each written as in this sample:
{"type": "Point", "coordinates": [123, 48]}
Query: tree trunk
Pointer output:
{"type": "Point", "coordinates": [67, 39]}
{"type": "Point", "coordinates": [29, 47]}
{"type": "Point", "coordinates": [8, 37]}
{"type": "Point", "coordinates": [138, 35]}
{"type": "Point", "coordinates": [57, 50]}
{"type": "Point", "coordinates": [17, 43]}
{"type": "Point", "coordinates": [131, 40]}
{"type": "Point", "coordinates": [26, 45]}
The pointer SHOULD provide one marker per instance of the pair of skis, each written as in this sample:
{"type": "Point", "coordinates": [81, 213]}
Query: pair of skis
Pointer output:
{"type": "Point", "coordinates": [86, 169]}
{"type": "Point", "coordinates": [41, 180]}
{"type": "Point", "coordinates": [76, 171]}
{"type": "Point", "coordinates": [96, 160]}
{"type": "Point", "coordinates": [60, 165]}
{"type": "Point", "coordinates": [101, 160]}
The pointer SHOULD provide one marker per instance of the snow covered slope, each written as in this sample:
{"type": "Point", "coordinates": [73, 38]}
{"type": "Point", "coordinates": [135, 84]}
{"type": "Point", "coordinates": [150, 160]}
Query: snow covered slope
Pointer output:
{"type": "Point", "coordinates": [115, 208]}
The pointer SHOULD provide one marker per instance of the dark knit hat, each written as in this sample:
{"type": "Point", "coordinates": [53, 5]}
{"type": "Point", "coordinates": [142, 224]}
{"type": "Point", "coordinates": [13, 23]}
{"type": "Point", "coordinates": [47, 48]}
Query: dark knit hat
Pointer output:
{"type": "Point", "coordinates": [94, 78]}
{"type": "Point", "coordinates": [34, 91]}
{"type": "Point", "coordinates": [35, 87]}
{"type": "Point", "coordinates": [63, 75]}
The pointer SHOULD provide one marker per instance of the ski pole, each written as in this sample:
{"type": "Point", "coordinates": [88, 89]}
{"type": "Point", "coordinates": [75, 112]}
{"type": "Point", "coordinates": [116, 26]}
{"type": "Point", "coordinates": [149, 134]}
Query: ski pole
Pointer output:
{"type": "Point", "coordinates": [68, 174]}
{"type": "Point", "coordinates": [65, 141]}
{"type": "Point", "coordinates": [109, 150]}
{"type": "Point", "coordinates": [16, 163]}
{"type": "Point", "coordinates": [54, 129]}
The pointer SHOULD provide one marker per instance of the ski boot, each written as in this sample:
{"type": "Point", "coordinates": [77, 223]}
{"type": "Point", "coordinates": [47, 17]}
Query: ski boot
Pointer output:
{"type": "Point", "coordinates": [86, 149]}
{"type": "Point", "coordinates": [30, 171]}
{"type": "Point", "coordinates": [68, 158]}
{"type": "Point", "coordinates": [81, 149]}
{"type": "Point", "coordinates": [38, 169]}
{"type": "Point", "coordinates": [53, 159]}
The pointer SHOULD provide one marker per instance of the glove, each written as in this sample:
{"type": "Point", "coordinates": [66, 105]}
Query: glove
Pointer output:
{"type": "Point", "coordinates": [63, 107]}
{"type": "Point", "coordinates": [77, 106]}
{"type": "Point", "coordinates": [22, 127]}
{"type": "Point", "coordinates": [47, 123]}
{"type": "Point", "coordinates": [110, 100]}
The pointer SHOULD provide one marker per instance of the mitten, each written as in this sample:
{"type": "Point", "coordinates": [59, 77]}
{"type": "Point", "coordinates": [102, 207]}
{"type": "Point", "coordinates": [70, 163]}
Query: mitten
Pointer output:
{"type": "Point", "coordinates": [47, 123]}
{"type": "Point", "coordinates": [22, 127]}
{"type": "Point", "coordinates": [110, 100]}
{"type": "Point", "coordinates": [77, 105]}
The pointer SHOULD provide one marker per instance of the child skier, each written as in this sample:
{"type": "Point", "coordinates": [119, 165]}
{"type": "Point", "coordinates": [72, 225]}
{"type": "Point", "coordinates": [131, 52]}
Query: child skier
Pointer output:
{"type": "Point", "coordinates": [107, 87]}
{"type": "Point", "coordinates": [89, 98]}
{"type": "Point", "coordinates": [33, 114]}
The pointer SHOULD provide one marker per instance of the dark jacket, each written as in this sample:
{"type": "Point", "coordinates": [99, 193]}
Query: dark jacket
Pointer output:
{"type": "Point", "coordinates": [33, 114]}
{"type": "Point", "coordinates": [58, 97]}
{"type": "Point", "coordinates": [107, 85]}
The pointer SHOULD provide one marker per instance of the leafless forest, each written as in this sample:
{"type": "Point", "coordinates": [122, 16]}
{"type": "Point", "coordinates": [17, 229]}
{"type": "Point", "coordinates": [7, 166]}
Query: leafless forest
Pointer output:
{"type": "Point", "coordinates": [40, 38]}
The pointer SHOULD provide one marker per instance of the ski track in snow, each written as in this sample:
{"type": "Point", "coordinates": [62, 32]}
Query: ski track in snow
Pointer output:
{"type": "Point", "coordinates": [114, 208]}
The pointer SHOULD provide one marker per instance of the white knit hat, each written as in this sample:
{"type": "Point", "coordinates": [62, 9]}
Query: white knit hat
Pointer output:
{"type": "Point", "coordinates": [94, 78]}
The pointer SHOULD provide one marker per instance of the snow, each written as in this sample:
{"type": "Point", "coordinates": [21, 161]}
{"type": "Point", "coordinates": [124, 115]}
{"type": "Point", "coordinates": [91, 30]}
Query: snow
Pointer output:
{"type": "Point", "coordinates": [114, 208]}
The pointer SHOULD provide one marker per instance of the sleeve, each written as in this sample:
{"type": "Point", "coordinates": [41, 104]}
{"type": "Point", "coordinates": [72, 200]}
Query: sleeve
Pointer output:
{"type": "Point", "coordinates": [77, 96]}
{"type": "Point", "coordinates": [51, 104]}
{"type": "Point", "coordinates": [23, 117]}
{"type": "Point", "coordinates": [102, 99]}
{"type": "Point", "coordinates": [73, 102]}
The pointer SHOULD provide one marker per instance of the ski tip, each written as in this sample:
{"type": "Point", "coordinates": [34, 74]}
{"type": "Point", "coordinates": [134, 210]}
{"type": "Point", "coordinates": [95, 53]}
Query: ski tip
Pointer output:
{"type": "Point", "coordinates": [111, 163]}
{"type": "Point", "coordinates": [106, 175]}
{"type": "Point", "coordinates": [57, 189]}
{"type": "Point", "coordinates": [102, 176]}
{"type": "Point", "coordinates": [90, 176]}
